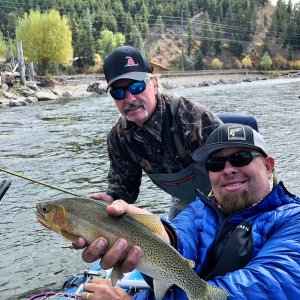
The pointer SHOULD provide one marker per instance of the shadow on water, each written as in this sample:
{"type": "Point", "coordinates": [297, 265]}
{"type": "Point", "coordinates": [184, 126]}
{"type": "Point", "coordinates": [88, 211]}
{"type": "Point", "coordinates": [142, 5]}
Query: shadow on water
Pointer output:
{"type": "Point", "coordinates": [64, 144]}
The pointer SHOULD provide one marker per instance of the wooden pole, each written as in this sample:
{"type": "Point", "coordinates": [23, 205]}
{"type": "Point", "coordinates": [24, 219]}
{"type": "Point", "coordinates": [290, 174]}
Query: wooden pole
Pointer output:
{"type": "Point", "coordinates": [21, 63]}
{"type": "Point", "coordinates": [182, 51]}
{"type": "Point", "coordinates": [11, 55]}
{"type": "Point", "coordinates": [31, 70]}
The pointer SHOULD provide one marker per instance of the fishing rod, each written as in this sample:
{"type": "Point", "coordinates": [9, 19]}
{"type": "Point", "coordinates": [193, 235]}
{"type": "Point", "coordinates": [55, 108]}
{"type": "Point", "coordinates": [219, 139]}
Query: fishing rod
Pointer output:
{"type": "Point", "coordinates": [4, 185]}
{"type": "Point", "coordinates": [39, 182]}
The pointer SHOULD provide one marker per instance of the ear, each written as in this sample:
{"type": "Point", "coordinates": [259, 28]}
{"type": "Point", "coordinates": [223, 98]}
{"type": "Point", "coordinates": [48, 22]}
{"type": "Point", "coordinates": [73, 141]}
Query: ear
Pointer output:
{"type": "Point", "coordinates": [155, 84]}
{"type": "Point", "coordinates": [269, 163]}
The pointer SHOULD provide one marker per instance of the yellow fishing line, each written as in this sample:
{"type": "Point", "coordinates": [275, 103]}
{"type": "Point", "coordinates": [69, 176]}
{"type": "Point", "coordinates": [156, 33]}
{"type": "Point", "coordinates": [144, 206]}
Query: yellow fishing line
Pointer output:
{"type": "Point", "coordinates": [38, 181]}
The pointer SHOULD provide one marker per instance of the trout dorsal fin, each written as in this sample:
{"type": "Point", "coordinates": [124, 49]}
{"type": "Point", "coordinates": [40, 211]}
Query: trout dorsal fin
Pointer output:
{"type": "Point", "coordinates": [150, 221]}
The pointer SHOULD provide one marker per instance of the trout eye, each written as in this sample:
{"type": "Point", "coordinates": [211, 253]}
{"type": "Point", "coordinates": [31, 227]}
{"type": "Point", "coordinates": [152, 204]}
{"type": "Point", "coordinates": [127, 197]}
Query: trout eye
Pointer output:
{"type": "Point", "coordinates": [44, 209]}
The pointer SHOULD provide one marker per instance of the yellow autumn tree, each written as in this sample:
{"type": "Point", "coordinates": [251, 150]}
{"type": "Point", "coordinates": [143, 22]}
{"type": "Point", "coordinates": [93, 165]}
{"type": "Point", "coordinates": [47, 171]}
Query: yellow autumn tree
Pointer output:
{"type": "Point", "coordinates": [247, 62]}
{"type": "Point", "coordinates": [296, 64]}
{"type": "Point", "coordinates": [280, 62]}
{"type": "Point", "coordinates": [216, 64]}
{"type": "Point", "coordinates": [46, 39]}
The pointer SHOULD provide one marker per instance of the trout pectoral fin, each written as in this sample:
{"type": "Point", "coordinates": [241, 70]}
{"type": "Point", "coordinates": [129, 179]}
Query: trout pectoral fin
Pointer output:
{"type": "Point", "coordinates": [69, 236]}
{"type": "Point", "coordinates": [116, 274]}
{"type": "Point", "coordinates": [160, 288]}
{"type": "Point", "coordinates": [151, 221]}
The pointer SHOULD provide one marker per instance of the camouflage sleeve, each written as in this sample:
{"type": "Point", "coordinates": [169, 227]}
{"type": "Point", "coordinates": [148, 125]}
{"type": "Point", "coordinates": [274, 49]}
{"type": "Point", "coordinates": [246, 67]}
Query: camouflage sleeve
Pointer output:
{"type": "Point", "coordinates": [124, 176]}
{"type": "Point", "coordinates": [196, 122]}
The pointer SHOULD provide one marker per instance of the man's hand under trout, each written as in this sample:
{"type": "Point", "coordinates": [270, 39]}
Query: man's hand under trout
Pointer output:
{"type": "Point", "coordinates": [119, 251]}
{"type": "Point", "coordinates": [102, 289]}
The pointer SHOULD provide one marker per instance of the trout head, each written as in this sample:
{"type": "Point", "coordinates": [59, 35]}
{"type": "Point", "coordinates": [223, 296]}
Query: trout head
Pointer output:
{"type": "Point", "coordinates": [54, 217]}
{"type": "Point", "coordinates": [51, 216]}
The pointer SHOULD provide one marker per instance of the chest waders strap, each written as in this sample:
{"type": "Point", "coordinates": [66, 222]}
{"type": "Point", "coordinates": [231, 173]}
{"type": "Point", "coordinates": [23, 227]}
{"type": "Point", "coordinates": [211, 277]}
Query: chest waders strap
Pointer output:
{"type": "Point", "coordinates": [232, 250]}
{"type": "Point", "coordinates": [179, 147]}
{"type": "Point", "coordinates": [174, 104]}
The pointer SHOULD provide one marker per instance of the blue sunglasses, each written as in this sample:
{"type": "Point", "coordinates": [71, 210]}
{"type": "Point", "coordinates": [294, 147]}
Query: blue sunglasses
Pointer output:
{"type": "Point", "coordinates": [134, 88]}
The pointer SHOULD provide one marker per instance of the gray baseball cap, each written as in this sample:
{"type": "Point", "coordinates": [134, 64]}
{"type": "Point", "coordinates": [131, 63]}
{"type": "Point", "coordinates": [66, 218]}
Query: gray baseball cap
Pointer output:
{"type": "Point", "coordinates": [230, 135]}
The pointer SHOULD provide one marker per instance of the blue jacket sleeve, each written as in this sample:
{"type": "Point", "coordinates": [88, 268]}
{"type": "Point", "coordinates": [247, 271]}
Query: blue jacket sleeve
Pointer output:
{"type": "Point", "coordinates": [196, 232]}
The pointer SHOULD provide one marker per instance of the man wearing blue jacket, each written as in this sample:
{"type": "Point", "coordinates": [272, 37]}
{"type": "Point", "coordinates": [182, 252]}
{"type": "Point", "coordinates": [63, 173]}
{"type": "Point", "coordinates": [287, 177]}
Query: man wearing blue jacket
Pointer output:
{"type": "Point", "coordinates": [244, 238]}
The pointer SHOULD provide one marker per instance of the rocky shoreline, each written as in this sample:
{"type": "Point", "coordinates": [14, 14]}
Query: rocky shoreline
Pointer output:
{"type": "Point", "coordinates": [85, 86]}
{"type": "Point", "coordinates": [51, 89]}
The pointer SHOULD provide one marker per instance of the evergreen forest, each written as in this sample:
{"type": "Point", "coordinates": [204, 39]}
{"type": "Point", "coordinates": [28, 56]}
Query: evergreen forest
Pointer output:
{"type": "Point", "coordinates": [189, 34]}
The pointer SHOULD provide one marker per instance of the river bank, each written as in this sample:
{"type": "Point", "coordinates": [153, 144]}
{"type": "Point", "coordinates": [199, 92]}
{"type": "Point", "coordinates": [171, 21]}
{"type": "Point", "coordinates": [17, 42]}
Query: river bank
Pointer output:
{"type": "Point", "coordinates": [85, 86]}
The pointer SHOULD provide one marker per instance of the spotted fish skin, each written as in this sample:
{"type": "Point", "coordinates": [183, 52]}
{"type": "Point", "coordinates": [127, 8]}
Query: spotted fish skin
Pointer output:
{"type": "Point", "coordinates": [74, 217]}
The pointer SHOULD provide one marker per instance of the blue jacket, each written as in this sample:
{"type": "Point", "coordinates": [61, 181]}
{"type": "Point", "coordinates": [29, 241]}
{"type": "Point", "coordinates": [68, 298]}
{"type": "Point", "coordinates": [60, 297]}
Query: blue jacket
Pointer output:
{"type": "Point", "coordinates": [272, 271]}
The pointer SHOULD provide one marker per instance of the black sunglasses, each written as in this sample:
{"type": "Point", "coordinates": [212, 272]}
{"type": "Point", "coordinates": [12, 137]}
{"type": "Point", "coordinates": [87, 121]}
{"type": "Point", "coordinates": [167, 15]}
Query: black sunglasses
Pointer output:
{"type": "Point", "coordinates": [238, 159]}
{"type": "Point", "coordinates": [134, 88]}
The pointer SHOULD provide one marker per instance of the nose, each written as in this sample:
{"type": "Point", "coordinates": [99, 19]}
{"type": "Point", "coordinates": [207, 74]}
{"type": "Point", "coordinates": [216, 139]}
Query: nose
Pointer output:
{"type": "Point", "coordinates": [229, 168]}
{"type": "Point", "coordinates": [129, 98]}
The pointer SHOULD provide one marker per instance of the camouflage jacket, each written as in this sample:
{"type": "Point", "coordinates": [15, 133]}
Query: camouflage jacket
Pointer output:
{"type": "Point", "coordinates": [153, 144]}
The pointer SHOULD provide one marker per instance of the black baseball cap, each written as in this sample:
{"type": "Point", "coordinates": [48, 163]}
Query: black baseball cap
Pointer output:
{"type": "Point", "coordinates": [125, 62]}
{"type": "Point", "coordinates": [228, 136]}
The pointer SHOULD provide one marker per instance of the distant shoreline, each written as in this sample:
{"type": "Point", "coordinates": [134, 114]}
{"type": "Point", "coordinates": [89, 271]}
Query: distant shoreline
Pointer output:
{"type": "Point", "coordinates": [75, 86]}
{"type": "Point", "coordinates": [187, 77]}
{"type": "Point", "coordinates": [172, 80]}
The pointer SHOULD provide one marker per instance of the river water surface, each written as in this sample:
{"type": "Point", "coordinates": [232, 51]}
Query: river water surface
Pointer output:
{"type": "Point", "coordinates": [64, 143]}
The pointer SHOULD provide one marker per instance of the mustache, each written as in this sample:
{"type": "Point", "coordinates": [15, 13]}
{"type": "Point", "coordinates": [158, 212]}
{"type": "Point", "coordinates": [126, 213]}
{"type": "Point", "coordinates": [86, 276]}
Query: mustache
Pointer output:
{"type": "Point", "coordinates": [133, 106]}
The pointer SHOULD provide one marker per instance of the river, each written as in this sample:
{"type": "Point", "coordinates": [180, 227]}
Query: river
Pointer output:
{"type": "Point", "coordinates": [64, 143]}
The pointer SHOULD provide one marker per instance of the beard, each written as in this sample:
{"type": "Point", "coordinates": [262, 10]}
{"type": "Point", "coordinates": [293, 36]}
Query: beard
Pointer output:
{"type": "Point", "coordinates": [237, 202]}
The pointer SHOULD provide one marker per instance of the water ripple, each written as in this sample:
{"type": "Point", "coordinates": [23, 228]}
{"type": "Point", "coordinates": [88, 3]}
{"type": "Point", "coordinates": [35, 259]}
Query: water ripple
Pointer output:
{"type": "Point", "coordinates": [64, 144]}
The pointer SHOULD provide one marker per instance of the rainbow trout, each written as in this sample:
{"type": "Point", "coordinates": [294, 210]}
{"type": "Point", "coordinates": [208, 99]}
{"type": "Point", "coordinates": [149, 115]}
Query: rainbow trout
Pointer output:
{"type": "Point", "coordinates": [74, 217]}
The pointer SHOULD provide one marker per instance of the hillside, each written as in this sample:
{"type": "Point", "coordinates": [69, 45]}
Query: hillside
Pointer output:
{"type": "Point", "coordinates": [201, 34]}
{"type": "Point", "coordinates": [166, 49]}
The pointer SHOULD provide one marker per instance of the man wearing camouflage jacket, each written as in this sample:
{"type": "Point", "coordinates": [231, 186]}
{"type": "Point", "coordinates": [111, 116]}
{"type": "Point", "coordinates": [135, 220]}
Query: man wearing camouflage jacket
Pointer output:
{"type": "Point", "coordinates": [156, 133]}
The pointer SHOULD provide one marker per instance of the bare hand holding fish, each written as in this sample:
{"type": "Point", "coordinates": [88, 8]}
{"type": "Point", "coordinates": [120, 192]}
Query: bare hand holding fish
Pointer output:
{"type": "Point", "coordinates": [127, 230]}
{"type": "Point", "coordinates": [102, 289]}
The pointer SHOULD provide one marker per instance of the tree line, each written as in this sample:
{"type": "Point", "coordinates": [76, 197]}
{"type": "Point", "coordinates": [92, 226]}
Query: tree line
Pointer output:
{"type": "Point", "coordinates": [88, 30]}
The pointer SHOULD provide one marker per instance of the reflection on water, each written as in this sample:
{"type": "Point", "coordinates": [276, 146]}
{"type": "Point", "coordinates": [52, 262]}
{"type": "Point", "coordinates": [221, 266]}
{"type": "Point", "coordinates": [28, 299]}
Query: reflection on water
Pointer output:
{"type": "Point", "coordinates": [64, 143]}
